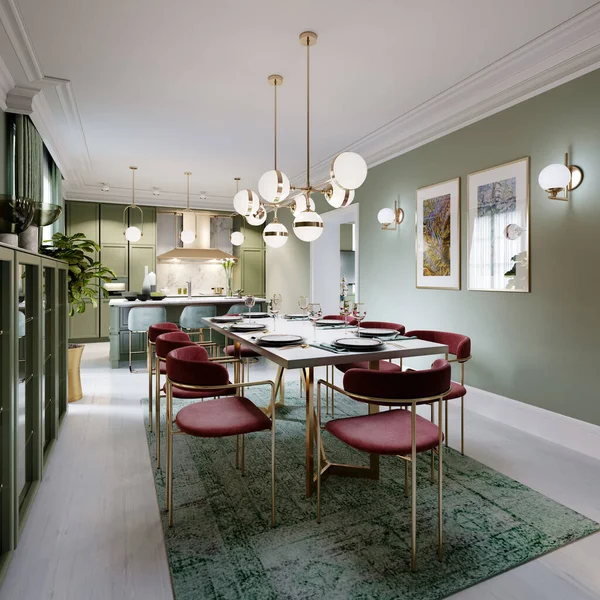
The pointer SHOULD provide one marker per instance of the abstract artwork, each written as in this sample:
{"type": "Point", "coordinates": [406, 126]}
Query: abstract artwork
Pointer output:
{"type": "Point", "coordinates": [438, 236]}
{"type": "Point", "coordinates": [498, 237]}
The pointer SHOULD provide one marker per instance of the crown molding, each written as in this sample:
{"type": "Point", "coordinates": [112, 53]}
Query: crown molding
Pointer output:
{"type": "Point", "coordinates": [7, 83]}
{"type": "Point", "coordinates": [555, 57]}
{"type": "Point", "coordinates": [19, 100]}
{"type": "Point", "coordinates": [175, 200]}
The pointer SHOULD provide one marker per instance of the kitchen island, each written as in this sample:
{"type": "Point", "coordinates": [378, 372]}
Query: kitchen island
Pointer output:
{"type": "Point", "coordinates": [119, 312]}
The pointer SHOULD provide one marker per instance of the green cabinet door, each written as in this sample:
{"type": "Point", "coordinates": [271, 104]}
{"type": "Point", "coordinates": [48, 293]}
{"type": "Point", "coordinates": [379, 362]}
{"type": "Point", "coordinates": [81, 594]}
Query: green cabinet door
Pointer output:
{"type": "Point", "coordinates": [111, 224]}
{"type": "Point", "coordinates": [104, 318]}
{"type": "Point", "coordinates": [86, 325]}
{"type": "Point", "coordinates": [149, 225]}
{"type": "Point", "coordinates": [114, 256]}
{"type": "Point", "coordinates": [84, 217]}
{"type": "Point", "coordinates": [140, 257]}
{"type": "Point", "coordinates": [253, 271]}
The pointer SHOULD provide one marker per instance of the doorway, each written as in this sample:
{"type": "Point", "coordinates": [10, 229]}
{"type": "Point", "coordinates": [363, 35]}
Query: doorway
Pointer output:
{"type": "Point", "coordinates": [335, 254]}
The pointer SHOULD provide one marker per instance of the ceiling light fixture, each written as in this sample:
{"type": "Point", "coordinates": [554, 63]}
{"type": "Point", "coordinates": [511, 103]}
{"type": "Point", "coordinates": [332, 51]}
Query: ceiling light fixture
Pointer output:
{"type": "Point", "coordinates": [557, 178]}
{"type": "Point", "coordinates": [237, 237]}
{"type": "Point", "coordinates": [348, 171]}
{"type": "Point", "coordinates": [132, 233]}
{"type": "Point", "coordinates": [104, 187]}
{"type": "Point", "coordinates": [187, 236]}
{"type": "Point", "coordinates": [155, 191]}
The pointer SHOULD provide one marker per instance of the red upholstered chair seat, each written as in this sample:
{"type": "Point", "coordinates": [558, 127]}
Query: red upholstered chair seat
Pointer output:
{"type": "Point", "coordinates": [234, 415]}
{"type": "Point", "coordinates": [350, 320]}
{"type": "Point", "coordinates": [163, 368]}
{"type": "Point", "coordinates": [384, 325]}
{"type": "Point", "coordinates": [384, 365]}
{"type": "Point", "coordinates": [190, 394]}
{"type": "Point", "coordinates": [155, 330]}
{"type": "Point", "coordinates": [171, 341]}
{"type": "Point", "coordinates": [245, 351]}
{"type": "Point", "coordinates": [458, 391]}
{"type": "Point", "coordinates": [385, 432]}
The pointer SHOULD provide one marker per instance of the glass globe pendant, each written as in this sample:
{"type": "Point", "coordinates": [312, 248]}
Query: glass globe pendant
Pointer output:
{"type": "Point", "coordinates": [274, 186]}
{"type": "Point", "coordinates": [300, 204]}
{"type": "Point", "coordinates": [554, 177]}
{"type": "Point", "coordinates": [386, 216]}
{"type": "Point", "coordinates": [133, 233]}
{"type": "Point", "coordinates": [308, 226]}
{"type": "Point", "coordinates": [187, 236]}
{"type": "Point", "coordinates": [337, 196]}
{"type": "Point", "coordinates": [237, 238]}
{"type": "Point", "coordinates": [275, 234]}
{"type": "Point", "coordinates": [348, 170]}
{"type": "Point", "coordinates": [246, 202]}
{"type": "Point", "coordinates": [258, 218]}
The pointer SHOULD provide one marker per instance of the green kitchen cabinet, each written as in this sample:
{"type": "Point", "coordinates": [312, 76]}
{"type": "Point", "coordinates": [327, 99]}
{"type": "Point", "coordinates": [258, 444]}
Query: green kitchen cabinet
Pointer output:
{"type": "Point", "coordinates": [85, 325]}
{"type": "Point", "coordinates": [114, 256]}
{"type": "Point", "coordinates": [111, 224]}
{"type": "Point", "coordinates": [139, 258]}
{"type": "Point", "coordinates": [253, 271]}
{"type": "Point", "coordinates": [104, 317]}
{"type": "Point", "coordinates": [148, 226]}
{"type": "Point", "coordinates": [84, 217]}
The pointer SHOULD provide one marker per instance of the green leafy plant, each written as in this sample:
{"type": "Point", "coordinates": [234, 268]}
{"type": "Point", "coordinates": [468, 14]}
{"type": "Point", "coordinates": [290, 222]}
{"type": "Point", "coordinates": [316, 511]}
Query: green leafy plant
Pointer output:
{"type": "Point", "coordinates": [86, 275]}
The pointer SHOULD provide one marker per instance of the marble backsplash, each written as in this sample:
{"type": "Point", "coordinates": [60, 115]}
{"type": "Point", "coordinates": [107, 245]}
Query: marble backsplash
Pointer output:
{"type": "Point", "coordinates": [203, 277]}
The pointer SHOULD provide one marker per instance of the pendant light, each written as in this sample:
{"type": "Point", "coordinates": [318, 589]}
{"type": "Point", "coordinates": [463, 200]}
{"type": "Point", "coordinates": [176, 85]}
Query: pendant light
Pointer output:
{"type": "Point", "coordinates": [275, 234]}
{"type": "Point", "coordinates": [237, 237]}
{"type": "Point", "coordinates": [187, 236]}
{"type": "Point", "coordinates": [132, 233]}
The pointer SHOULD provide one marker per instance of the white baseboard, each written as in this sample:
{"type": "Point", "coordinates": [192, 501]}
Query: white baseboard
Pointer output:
{"type": "Point", "coordinates": [573, 434]}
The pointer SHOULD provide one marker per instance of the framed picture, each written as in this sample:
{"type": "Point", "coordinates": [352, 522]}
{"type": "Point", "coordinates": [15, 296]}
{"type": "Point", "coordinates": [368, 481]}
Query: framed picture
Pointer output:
{"type": "Point", "coordinates": [498, 234]}
{"type": "Point", "coordinates": [438, 236]}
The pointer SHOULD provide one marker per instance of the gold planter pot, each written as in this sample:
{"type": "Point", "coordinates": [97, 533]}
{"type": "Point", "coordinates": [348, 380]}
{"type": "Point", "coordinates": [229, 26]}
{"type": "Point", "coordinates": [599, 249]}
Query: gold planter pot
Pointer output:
{"type": "Point", "coordinates": [74, 383]}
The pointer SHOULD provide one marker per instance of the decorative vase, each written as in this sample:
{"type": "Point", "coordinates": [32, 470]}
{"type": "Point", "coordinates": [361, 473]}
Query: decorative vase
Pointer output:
{"type": "Point", "coordinates": [229, 284]}
{"type": "Point", "coordinates": [74, 391]}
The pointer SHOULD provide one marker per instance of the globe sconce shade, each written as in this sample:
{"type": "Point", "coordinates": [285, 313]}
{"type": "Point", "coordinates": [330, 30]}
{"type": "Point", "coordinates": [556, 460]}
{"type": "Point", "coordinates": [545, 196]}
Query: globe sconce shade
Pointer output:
{"type": "Point", "coordinates": [388, 217]}
{"type": "Point", "coordinates": [258, 218]}
{"type": "Point", "coordinates": [557, 178]}
{"type": "Point", "coordinates": [338, 197]}
{"type": "Point", "coordinates": [348, 170]}
{"type": "Point", "coordinates": [187, 236]}
{"type": "Point", "coordinates": [275, 234]}
{"type": "Point", "coordinates": [246, 203]}
{"type": "Point", "coordinates": [274, 186]}
{"type": "Point", "coordinates": [300, 204]}
{"type": "Point", "coordinates": [237, 238]}
{"type": "Point", "coordinates": [133, 234]}
{"type": "Point", "coordinates": [308, 226]}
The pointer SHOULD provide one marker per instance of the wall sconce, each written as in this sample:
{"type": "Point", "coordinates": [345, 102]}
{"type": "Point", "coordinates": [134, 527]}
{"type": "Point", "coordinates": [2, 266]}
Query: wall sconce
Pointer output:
{"type": "Point", "coordinates": [388, 217]}
{"type": "Point", "coordinates": [557, 178]}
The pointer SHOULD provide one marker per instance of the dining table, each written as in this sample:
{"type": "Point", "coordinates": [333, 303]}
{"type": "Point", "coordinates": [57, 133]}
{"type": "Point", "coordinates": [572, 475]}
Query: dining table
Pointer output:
{"type": "Point", "coordinates": [306, 356]}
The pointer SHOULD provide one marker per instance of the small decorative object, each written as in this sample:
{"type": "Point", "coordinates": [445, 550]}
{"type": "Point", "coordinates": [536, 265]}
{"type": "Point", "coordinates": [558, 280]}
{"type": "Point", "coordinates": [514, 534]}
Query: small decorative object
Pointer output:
{"type": "Point", "coordinates": [498, 221]}
{"type": "Point", "coordinates": [16, 215]}
{"type": "Point", "coordinates": [438, 235]}
{"type": "Point", "coordinates": [239, 293]}
{"type": "Point", "coordinates": [560, 179]}
{"type": "Point", "coordinates": [228, 268]}
{"type": "Point", "coordinates": [343, 296]}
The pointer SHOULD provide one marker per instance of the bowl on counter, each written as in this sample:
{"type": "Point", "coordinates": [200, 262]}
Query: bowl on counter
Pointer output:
{"type": "Point", "coordinates": [157, 296]}
{"type": "Point", "coordinates": [129, 295]}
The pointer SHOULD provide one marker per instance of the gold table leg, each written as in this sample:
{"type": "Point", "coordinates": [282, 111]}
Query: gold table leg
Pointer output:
{"type": "Point", "coordinates": [149, 367]}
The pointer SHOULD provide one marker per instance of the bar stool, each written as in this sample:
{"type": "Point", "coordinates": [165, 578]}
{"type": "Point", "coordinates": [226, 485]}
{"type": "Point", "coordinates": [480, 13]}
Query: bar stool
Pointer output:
{"type": "Point", "coordinates": [460, 346]}
{"type": "Point", "coordinates": [139, 321]}
{"type": "Point", "coordinates": [164, 344]}
{"type": "Point", "coordinates": [400, 433]}
{"type": "Point", "coordinates": [188, 369]}
{"type": "Point", "coordinates": [191, 320]}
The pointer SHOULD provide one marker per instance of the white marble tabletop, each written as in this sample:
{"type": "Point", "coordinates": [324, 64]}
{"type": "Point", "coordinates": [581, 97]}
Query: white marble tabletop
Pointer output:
{"type": "Point", "coordinates": [298, 358]}
{"type": "Point", "coordinates": [181, 301]}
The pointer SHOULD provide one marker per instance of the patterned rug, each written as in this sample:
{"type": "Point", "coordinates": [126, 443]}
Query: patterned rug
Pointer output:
{"type": "Point", "coordinates": [222, 545]}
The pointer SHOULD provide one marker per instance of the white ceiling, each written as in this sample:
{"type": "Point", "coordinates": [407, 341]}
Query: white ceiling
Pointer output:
{"type": "Point", "coordinates": [181, 85]}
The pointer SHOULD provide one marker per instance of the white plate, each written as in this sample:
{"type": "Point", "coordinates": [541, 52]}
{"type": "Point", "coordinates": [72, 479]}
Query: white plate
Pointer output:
{"type": "Point", "coordinates": [247, 326]}
{"type": "Point", "coordinates": [295, 316]}
{"type": "Point", "coordinates": [358, 343]}
{"type": "Point", "coordinates": [280, 339]}
{"type": "Point", "coordinates": [227, 319]}
{"type": "Point", "coordinates": [330, 322]}
{"type": "Point", "coordinates": [374, 332]}
{"type": "Point", "coordinates": [255, 315]}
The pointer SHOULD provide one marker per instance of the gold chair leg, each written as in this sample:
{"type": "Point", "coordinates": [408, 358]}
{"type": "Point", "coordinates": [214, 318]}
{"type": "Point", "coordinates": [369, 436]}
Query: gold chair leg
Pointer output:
{"type": "Point", "coordinates": [332, 392]}
{"type": "Point", "coordinates": [413, 488]}
{"type": "Point", "coordinates": [432, 466]}
{"type": "Point", "coordinates": [237, 451]}
{"type": "Point", "coordinates": [170, 453]}
{"type": "Point", "coordinates": [150, 399]}
{"type": "Point", "coordinates": [327, 390]}
{"type": "Point", "coordinates": [243, 453]}
{"type": "Point", "coordinates": [440, 514]}
{"type": "Point", "coordinates": [462, 425]}
{"type": "Point", "coordinates": [446, 423]}
{"type": "Point", "coordinates": [273, 513]}
{"type": "Point", "coordinates": [157, 393]}
{"type": "Point", "coordinates": [405, 478]}
{"type": "Point", "coordinates": [318, 430]}
{"type": "Point", "coordinates": [130, 364]}
{"type": "Point", "coordinates": [282, 388]}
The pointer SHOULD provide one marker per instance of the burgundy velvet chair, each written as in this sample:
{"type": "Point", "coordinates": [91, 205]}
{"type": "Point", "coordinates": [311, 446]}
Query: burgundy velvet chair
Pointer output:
{"type": "Point", "coordinates": [153, 332]}
{"type": "Point", "coordinates": [460, 346]}
{"type": "Point", "coordinates": [247, 355]}
{"type": "Point", "coordinates": [384, 365]}
{"type": "Point", "coordinates": [400, 433]}
{"type": "Point", "coordinates": [188, 369]}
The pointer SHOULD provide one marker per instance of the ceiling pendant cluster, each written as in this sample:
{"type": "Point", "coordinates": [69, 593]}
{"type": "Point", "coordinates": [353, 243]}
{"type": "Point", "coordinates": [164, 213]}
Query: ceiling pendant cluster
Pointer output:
{"type": "Point", "coordinates": [348, 172]}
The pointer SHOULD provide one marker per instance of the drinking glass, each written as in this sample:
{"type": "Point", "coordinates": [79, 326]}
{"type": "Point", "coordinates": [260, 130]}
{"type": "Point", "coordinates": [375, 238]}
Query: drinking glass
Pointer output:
{"type": "Point", "coordinates": [250, 302]}
{"type": "Point", "coordinates": [315, 312]}
{"type": "Point", "coordinates": [303, 304]}
{"type": "Point", "coordinates": [359, 313]}
{"type": "Point", "coordinates": [275, 307]}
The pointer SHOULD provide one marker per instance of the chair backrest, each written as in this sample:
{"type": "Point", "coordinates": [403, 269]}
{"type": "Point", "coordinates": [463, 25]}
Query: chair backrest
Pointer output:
{"type": "Point", "coordinates": [237, 309]}
{"type": "Point", "coordinates": [458, 344]}
{"type": "Point", "coordinates": [395, 387]}
{"type": "Point", "coordinates": [350, 320]}
{"type": "Point", "coordinates": [191, 316]}
{"type": "Point", "coordinates": [140, 318]}
{"type": "Point", "coordinates": [188, 366]}
{"type": "Point", "coordinates": [384, 325]}
{"type": "Point", "coordinates": [170, 341]}
{"type": "Point", "coordinates": [155, 330]}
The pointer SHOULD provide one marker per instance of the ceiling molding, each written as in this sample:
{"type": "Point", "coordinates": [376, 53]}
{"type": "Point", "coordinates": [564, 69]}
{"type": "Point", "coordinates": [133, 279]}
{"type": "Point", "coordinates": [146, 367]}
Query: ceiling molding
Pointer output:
{"type": "Point", "coordinates": [7, 83]}
{"type": "Point", "coordinates": [92, 193]}
{"type": "Point", "coordinates": [12, 19]}
{"type": "Point", "coordinates": [559, 55]}
{"type": "Point", "coordinates": [19, 100]}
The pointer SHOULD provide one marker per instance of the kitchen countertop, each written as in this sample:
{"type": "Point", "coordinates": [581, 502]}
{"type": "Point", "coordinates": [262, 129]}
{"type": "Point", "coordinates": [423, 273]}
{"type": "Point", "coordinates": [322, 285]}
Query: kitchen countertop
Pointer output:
{"type": "Point", "coordinates": [181, 301]}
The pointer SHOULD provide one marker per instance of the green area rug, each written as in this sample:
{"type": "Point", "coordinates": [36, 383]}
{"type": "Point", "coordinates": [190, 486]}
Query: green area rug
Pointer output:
{"type": "Point", "coordinates": [222, 545]}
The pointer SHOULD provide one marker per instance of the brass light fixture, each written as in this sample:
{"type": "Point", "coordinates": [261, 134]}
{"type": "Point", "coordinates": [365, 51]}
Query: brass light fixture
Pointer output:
{"type": "Point", "coordinates": [236, 237]}
{"type": "Point", "coordinates": [132, 233]}
{"type": "Point", "coordinates": [388, 217]}
{"type": "Point", "coordinates": [187, 236]}
{"type": "Point", "coordinates": [348, 172]}
{"type": "Point", "coordinates": [556, 179]}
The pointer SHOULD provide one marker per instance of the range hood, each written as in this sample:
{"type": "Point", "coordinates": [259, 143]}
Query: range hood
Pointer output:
{"type": "Point", "coordinates": [211, 236]}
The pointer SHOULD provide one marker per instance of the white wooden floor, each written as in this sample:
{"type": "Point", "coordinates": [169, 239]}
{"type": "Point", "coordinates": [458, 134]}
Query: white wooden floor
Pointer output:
{"type": "Point", "coordinates": [94, 531]}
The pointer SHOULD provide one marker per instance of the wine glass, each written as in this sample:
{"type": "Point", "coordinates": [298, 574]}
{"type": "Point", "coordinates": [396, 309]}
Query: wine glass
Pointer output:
{"type": "Point", "coordinates": [359, 313]}
{"type": "Point", "coordinates": [303, 304]}
{"type": "Point", "coordinates": [275, 307]}
{"type": "Point", "coordinates": [250, 302]}
{"type": "Point", "coordinates": [315, 312]}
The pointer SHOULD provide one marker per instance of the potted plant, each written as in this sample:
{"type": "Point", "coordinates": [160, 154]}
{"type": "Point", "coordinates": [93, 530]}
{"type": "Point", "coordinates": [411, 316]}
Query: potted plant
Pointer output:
{"type": "Point", "coordinates": [86, 282]}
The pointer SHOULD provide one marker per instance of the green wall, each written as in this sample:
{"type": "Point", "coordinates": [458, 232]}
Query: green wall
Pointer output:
{"type": "Point", "coordinates": [4, 145]}
{"type": "Point", "coordinates": [541, 347]}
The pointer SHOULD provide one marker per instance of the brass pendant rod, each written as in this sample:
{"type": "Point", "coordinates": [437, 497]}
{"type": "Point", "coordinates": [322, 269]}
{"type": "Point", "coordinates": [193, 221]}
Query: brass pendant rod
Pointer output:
{"type": "Point", "coordinates": [133, 170]}
{"type": "Point", "coordinates": [308, 111]}
{"type": "Point", "coordinates": [187, 174]}
{"type": "Point", "coordinates": [275, 122]}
